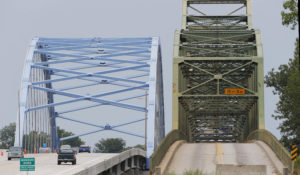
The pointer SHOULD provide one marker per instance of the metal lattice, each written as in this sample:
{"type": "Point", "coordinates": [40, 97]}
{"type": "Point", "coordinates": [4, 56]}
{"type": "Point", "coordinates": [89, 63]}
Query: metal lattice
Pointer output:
{"type": "Point", "coordinates": [213, 53]}
{"type": "Point", "coordinates": [64, 76]}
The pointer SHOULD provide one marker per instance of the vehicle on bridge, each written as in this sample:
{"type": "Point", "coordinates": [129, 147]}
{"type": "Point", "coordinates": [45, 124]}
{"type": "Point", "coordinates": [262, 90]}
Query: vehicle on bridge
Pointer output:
{"type": "Point", "coordinates": [44, 150]}
{"type": "Point", "coordinates": [84, 148]}
{"type": "Point", "coordinates": [15, 152]}
{"type": "Point", "coordinates": [66, 154]}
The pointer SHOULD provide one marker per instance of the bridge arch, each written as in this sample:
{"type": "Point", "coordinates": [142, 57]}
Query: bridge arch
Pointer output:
{"type": "Point", "coordinates": [62, 76]}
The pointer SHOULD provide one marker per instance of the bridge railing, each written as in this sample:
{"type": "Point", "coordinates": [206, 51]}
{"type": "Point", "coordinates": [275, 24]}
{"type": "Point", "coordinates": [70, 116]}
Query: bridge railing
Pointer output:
{"type": "Point", "coordinates": [274, 144]}
{"type": "Point", "coordinates": [163, 147]}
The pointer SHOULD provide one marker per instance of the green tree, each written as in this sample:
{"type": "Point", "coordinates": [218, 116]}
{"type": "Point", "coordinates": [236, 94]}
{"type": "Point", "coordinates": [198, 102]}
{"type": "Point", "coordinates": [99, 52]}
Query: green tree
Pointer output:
{"type": "Point", "coordinates": [290, 13]}
{"type": "Point", "coordinates": [7, 136]}
{"type": "Point", "coordinates": [75, 142]}
{"type": "Point", "coordinates": [136, 146]}
{"type": "Point", "coordinates": [34, 140]}
{"type": "Point", "coordinates": [286, 84]}
{"type": "Point", "coordinates": [110, 145]}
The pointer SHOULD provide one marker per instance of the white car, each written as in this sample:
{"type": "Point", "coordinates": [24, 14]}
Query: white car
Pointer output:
{"type": "Point", "coordinates": [15, 152]}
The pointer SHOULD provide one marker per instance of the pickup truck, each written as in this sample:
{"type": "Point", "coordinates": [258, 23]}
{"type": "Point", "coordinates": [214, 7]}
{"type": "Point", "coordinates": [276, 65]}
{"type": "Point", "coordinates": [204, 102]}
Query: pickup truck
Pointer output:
{"type": "Point", "coordinates": [66, 154]}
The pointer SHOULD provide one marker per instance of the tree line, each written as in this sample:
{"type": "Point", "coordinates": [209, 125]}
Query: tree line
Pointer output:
{"type": "Point", "coordinates": [286, 84]}
{"type": "Point", "coordinates": [31, 141]}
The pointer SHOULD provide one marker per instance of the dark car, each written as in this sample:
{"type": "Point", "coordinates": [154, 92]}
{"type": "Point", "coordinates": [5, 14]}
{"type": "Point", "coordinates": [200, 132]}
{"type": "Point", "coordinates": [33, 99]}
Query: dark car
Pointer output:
{"type": "Point", "coordinates": [66, 154]}
{"type": "Point", "coordinates": [84, 148]}
{"type": "Point", "coordinates": [15, 152]}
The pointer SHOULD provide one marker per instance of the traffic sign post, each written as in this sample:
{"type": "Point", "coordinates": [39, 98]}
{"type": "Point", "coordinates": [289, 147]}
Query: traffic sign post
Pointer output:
{"type": "Point", "coordinates": [294, 153]}
{"type": "Point", "coordinates": [27, 164]}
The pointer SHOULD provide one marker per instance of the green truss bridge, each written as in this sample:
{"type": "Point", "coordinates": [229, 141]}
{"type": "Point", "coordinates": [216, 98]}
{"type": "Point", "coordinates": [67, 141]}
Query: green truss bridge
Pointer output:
{"type": "Point", "coordinates": [218, 96]}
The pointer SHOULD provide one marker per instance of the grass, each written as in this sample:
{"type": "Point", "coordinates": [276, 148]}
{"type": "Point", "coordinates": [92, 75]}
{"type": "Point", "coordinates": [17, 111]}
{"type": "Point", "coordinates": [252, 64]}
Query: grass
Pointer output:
{"type": "Point", "coordinates": [297, 166]}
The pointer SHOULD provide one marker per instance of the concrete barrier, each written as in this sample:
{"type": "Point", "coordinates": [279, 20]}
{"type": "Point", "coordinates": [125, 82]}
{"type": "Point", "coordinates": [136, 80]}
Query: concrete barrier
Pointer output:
{"type": "Point", "coordinates": [163, 166]}
{"type": "Point", "coordinates": [123, 162]}
{"type": "Point", "coordinates": [241, 169]}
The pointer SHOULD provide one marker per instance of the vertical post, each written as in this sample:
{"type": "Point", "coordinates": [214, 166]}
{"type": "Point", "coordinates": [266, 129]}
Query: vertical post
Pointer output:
{"type": "Point", "coordinates": [175, 106]}
{"type": "Point", "coordinates": [249, 14]}
{"type": "Point", "coordinates": [54, 137]}
{"type": "Point", "coordinates": [184, 14]}
{"type": "Point", "coordinates": [285, 171]}
{"type": "Point", "coordinates": [146, 105]}
{"type": "Point", "coordinates": [18, 123]}
{"type": "Point", "coordinates": [23, 92]}
{"type": "Point", "coordinates": [152, 100]}
{"type": "Point", "coordinates": [260, 81]}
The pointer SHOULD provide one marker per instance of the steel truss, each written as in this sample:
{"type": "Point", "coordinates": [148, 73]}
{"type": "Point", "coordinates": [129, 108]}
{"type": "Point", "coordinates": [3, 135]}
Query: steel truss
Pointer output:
{"type": "Point", "coordinates": [213, 53]}
{"type": "Point", "coordinates": [122, 69]}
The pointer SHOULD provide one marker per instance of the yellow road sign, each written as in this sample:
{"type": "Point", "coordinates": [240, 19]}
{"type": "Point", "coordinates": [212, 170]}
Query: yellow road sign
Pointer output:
{"type": "Point", "coordinates": [235, 91]}
{"type": "Point", "coordinates": [294, 153]}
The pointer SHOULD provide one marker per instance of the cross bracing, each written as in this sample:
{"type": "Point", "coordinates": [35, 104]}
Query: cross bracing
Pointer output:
{"type": "Point", "coordinates": [213, 77]}
{"type": "Point", "coordinates": [217, 44]}
{"type": "Point", "coordinates": [63, 76]}
{"type": "Point", "coordinates": [216, 22]}
{"type": "Point", "coordinates": [214, 53]}
{"type": "Point", "coordinates": [216, 1]}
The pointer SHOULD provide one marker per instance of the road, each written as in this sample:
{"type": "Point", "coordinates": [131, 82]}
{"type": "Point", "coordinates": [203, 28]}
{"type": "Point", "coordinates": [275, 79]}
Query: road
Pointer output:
{"type": "Point", "coordinates": [205, 156]}
{"type": "Point", "coordinates": [47, 164]}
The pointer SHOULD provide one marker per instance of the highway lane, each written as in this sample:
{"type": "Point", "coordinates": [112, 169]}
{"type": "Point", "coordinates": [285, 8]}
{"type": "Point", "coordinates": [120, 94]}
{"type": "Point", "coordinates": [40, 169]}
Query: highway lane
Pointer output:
{"type": "Point", "coordinates": [47, 164]}
{"type": "Point", "coordinates": [205, 156]}
{"type": "Point", "coordinates": [193, 156]}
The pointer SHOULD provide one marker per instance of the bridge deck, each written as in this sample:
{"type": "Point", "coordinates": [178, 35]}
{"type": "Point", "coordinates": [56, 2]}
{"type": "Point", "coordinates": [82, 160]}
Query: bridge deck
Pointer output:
{"type": "Point", "coordinates": [47, 164]}
{"type": "Point", "coordinates": [206, 156]}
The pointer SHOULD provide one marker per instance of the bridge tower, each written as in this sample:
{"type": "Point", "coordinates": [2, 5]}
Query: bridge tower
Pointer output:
{"type": "Point", "coordinates": [218, 88]}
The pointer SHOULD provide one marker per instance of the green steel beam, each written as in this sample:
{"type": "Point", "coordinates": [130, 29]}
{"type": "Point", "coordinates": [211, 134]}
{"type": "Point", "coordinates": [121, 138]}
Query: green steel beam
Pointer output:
{"type": "Point", "coordinates": [213, 53]}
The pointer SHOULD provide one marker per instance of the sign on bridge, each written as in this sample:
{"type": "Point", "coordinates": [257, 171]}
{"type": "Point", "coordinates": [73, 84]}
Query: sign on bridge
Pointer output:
{"type": "Point", "coordinates": [27, 164]}
{"type": "Point", "coordinates": [235, 91]}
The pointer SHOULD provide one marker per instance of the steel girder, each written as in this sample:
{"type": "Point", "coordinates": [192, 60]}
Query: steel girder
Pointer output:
{"type": "Point", "coordinates": [114, 66]}
{"type": "Point", "coordinates": [213, 53]}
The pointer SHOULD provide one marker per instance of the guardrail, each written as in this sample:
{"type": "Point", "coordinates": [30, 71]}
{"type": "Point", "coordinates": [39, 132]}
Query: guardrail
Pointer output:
{"type": "Point", "coordinates": [274, 144]}
{"type": "Point", "coordinates": [163, 147]}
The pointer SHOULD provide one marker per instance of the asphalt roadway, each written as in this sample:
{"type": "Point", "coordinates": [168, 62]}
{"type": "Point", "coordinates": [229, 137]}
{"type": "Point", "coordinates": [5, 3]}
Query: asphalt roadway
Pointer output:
{"type": "Point", "coordinates": [205, 156]}
{"type": "Point", "coordinates": [47, 164]}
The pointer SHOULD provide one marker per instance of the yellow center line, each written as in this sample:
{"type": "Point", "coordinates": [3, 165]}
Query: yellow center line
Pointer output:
{"type": "Point", "coordinates": [220, 154]}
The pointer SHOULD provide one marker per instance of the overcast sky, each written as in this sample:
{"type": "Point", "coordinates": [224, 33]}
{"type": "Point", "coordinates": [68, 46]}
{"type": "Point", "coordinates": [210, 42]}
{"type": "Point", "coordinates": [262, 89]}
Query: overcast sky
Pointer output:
{"type": "Point", "coordinates": [21, 20]}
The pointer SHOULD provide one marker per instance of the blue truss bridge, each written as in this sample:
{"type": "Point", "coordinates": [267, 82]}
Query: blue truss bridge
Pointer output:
{"type": "Point", "coordinates": [64, 76]}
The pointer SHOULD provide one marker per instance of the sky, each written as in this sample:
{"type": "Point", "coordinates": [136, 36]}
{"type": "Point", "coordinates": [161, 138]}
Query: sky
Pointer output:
{"type": "Point", "coordinates": [20, 21]}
